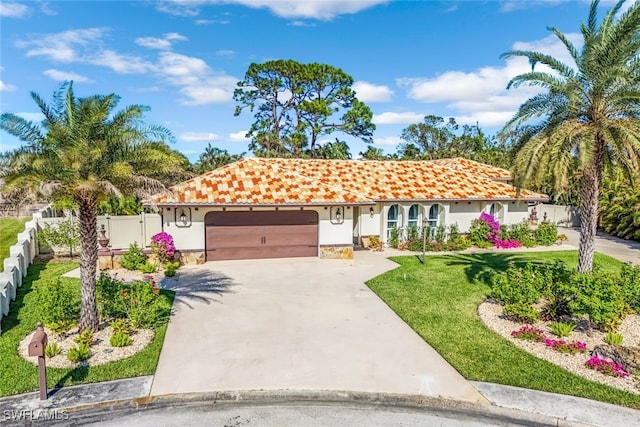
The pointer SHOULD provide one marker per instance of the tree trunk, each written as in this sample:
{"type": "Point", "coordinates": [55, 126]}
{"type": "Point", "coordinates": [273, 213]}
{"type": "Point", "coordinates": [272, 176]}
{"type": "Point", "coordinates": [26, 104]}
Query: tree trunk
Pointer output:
{"type": "Point", "coordinates": [589, 208]}
{"type": "Point", "coordinates": [87, 216]}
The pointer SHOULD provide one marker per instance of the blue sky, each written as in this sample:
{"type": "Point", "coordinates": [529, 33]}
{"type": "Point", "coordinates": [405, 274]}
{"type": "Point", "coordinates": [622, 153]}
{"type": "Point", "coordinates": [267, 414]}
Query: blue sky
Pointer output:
{"type": "Point", "coordinates": [183, 58]}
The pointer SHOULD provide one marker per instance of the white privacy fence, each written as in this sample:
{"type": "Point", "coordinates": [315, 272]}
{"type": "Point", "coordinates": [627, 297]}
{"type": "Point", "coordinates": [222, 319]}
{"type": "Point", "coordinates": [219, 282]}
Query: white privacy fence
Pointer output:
{"type": "Point", "coordinates": [21, 256]}
{"type": "Point", "coordinates": [121, 230]}
{"type": "Point", "coordinates": [565, 216]}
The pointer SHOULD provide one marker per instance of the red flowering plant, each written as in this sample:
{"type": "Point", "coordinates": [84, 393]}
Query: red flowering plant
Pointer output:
{"type": "Point", "coordinates": [163, 247]}
{"type": "Point", "coordinates": [562, 346]}
{"type": "Point", "coordinates": [529, 333]}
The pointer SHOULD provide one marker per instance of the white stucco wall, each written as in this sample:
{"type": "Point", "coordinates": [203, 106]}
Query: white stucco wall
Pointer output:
{"type": "Point", "coordinates": [193, 236]}
{"type": "Point", "coordinates": [517, 212]}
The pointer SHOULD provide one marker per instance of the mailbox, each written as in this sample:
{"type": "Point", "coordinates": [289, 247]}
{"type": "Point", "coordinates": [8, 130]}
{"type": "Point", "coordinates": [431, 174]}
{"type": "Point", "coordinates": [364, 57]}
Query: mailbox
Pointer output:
{"type": "Point", "coordinates": [38, 343]}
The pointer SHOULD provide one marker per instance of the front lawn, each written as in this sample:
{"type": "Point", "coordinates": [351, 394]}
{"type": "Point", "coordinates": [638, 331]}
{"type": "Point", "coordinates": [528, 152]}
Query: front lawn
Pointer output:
{"type": "Point", "coordinates": [439, 301]}
{"type": "Point", "coordinates": [9, 229]}
{"type": "Point", "coordinates": [19, 376]}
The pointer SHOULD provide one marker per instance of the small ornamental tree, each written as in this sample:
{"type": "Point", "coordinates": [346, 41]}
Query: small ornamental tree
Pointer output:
{"type": "Point", "coordinates": [65, 234]}
{"type": "Point", "coordinates": [163, 247]}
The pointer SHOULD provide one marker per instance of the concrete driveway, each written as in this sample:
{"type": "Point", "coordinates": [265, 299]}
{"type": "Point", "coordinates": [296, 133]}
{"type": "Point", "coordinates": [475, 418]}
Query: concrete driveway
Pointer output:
{"type": "Point", "coordinates": [299, 323]}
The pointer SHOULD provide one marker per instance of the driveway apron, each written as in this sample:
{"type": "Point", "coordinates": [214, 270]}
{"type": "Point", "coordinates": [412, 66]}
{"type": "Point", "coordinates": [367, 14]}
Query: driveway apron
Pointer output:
{"type": "Point", "coordinates": [297, 323]}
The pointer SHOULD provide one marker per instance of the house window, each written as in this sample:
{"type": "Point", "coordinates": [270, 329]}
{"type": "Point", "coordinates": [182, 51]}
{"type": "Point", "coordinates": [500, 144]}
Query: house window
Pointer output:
{"type": "Point", "coordinates": [435, 213]}
{"type": "Point", "coordinates": [392, 218]}
{"type": "Point", "coordinates": [496, 210]}
{"type": "Point", "coordinates": [414, 211]}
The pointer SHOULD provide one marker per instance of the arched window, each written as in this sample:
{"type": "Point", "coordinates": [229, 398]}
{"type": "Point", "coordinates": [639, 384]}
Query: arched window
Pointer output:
{"type": "Point", "coordinates": [392, 217]}
{"type": "Point", "coordinates": [414, 212]}
{"type": "Point", "coordinates": [497, 211]}
{"type": "Point", "coordinates": [435, 216]}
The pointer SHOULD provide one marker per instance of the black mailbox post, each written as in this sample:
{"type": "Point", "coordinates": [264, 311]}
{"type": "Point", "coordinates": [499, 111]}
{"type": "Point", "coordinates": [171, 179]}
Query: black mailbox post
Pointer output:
{"type": "Point", "coordinates": [36, 348]}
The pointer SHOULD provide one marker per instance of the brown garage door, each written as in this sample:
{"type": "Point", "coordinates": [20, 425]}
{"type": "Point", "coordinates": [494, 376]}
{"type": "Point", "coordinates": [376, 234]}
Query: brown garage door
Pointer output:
{"type": "Point", "coordinates": [261, 234]}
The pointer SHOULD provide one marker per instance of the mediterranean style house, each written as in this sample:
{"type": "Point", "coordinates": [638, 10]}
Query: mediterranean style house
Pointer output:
{"type": "Point", "coordinates": [272, 208]}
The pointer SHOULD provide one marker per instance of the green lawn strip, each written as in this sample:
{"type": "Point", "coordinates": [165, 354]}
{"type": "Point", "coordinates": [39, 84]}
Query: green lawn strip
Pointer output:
{"type": "Point", "coordinates": [439, 301]}
{"type": "Point", "coordinates": [9, 229]}
{"type": "Point", "coordinates": [19, 376]}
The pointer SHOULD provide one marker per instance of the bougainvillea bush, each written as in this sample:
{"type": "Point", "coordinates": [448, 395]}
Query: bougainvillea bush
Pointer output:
{"type": "Point", "coordinates": [163, 247]}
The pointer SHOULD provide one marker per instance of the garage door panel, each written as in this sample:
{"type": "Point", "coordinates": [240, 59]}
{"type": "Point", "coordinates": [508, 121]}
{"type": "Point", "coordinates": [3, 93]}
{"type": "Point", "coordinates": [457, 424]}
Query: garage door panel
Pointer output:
{"type": "Point", "coordinates": [261, 234]}
{"type": "Point", "coordinates": [259, 252]}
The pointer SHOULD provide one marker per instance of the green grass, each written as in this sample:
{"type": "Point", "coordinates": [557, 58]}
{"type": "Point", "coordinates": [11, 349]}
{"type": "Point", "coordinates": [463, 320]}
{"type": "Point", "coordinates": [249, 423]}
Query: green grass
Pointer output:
{"type": "Point", "coordinates": [19, 376]}
{"type": "Point", "coordinates": [439, 301]}
{"type": "Point", "coordinates": [9, 229]}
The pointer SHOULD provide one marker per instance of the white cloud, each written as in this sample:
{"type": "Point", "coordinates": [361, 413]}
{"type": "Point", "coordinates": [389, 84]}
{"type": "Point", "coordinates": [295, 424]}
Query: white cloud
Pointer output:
{"type": "Point", "coordinates": [64, 46]}
{"type": "Point", "coordinates": [62, 76]}
{"type": "Point", "coordinates": [481, 95]}
{"type": "Point", "coordinates": [14, 10]}
{"type": "Point", "coordinates": [4, 87]}
{"type": "Point", "coordinates": [510, 6]}
{"type": "Point", "coordinates": [198, 83]}
{"type": "Point", "coordinates": [47, 10]}
{"type": "Point", "coordinates": [239, 136]}
{"type": "Point", "coordinates": [226, 53]}
{"type": "Point", "coordinates": [212, 21]}
{"type": "Point", "coordinates": [311, 9]}
{"type": "Point", "coordinates": [389, 140]}
{"type": "Point", "coordinates": [368, 92]}
{"type": "Point", "coordinates": [391, 118]}
{"type": "Point", "coordinates": [164, 43]}
{"type": "Point", "coordinates": [121, 63]}
{"type": "Point", "coordinates": [197, 136]}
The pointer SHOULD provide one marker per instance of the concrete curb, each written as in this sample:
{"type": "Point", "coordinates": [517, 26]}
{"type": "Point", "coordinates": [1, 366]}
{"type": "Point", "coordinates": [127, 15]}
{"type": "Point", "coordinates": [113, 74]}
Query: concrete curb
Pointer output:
{"type": "Point", "coordinates": [113, 410]}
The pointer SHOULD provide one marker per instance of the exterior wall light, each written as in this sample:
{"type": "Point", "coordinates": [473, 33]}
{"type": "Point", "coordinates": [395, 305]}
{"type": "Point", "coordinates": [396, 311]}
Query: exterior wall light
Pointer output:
{"type": "Point", "coordinates": [183, 217]}
{"type": "Point", "coordinates": [371, 212]}
{"type": "Point", "coordinates": [336, 215]}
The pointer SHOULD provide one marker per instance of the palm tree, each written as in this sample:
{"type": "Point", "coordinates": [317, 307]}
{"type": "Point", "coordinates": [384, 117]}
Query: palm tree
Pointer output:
{"type": "Point", "coordinates": [587, 114]}
{"type": "Point", "coordinates": [83, 152]}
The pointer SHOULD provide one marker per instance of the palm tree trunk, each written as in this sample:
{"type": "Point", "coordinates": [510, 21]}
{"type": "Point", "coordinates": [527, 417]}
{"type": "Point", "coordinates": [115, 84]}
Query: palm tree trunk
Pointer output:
{"type": "Point", "coordinates": [87, 215]}
{"type": "Point", "coordinates": [589, 208]}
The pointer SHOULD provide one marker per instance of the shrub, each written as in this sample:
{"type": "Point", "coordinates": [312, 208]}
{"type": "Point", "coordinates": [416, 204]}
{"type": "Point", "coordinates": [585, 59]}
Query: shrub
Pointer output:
{"type": "Point", "coordinates": [612, 338]}
{"type": "Point", "coordinates": [558, 291]}
{"type": "Point", "coordinates": [440, 234]}
{"type": "Point", "coordinates": [522, 313]}
{"type": "Point", "coordinates": [522, 233]}
{"type": "Point", "coordinates": [170, 268]}
{"type": "Point", "coordinates": [133, 258]}
{"type": "Point", "coordinates": [122, 326]}
{"type": "Point", "coordinates": [80, 353]}
{"type": "Point", "coordinates": [58, 304]}
{"type": "Point", "coordinates": [109, 299]}
{"type": "Point", "coordinates": [479, 233]}
{"type": "Point", "coordinates": [120, 339]}
{"type": "Point", "coordinates": [546, 234]}
{"type": "Point", "coordinates": [375, 243]}
{"type": "Point", "coordinates": [529, 333]}
{"type": "Point", "coordinates": [148, 267]}
{"type": "Point", "coordinates": [163, 247]}
{"type": "Point", "coordinates": [598, 295]}
{"type": "Point", "coordinates": [630, 284]}
{"type": "Point", "coordinates": [146, 307]}
{"type": "Point", "coordinates": [61, 326]}
{"type": "Point", "coordinates": [565, 347]}
{"type": "Point", "coordinates": [52, 349]}
{"type": "Point", "coordinates": [562, 329]}
{"type": "Point", "coordinates": [518, 285]}
{"type": "Point", "coordinates": [606, 367]}
{"type": "Point", "coordinates": [394, 237]}
{"type": "Point", "coordinates": [85, 337]}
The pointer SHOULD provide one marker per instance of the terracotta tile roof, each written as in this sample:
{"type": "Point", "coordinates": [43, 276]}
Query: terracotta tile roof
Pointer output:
{"type": "Point", "coordinates": [482, 169]}
{"type": "Point", "coordinates": [258, 181]}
